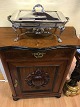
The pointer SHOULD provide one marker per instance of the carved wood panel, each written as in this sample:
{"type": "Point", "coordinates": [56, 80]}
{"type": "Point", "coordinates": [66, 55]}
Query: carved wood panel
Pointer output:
{"type": "Point", "coordinates": [38, 77]}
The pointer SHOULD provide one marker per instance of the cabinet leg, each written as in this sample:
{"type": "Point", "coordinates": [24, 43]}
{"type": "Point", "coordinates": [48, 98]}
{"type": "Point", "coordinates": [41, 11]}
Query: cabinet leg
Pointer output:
{"type": "Point", "coordinates": [14, 98]}
{"type": "Point", "coordinates": [58, 96]}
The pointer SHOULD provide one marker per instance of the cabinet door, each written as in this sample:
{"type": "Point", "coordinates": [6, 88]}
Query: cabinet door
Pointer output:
{"type": "Point", "coordinates": [37, 78]}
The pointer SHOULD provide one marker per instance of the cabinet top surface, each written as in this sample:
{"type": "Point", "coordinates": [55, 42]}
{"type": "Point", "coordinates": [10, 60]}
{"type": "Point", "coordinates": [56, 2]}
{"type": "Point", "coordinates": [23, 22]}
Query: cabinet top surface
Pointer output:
{"type": "Point", "coordinates": [7, 36]}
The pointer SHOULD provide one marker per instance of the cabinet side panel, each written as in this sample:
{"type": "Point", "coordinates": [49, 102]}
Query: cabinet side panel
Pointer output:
{"type": "Point", "coordinates": [7, 73]}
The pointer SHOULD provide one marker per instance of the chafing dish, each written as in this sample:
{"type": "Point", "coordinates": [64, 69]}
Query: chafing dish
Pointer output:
{"type": "Point", "coordinates": [37, 22]}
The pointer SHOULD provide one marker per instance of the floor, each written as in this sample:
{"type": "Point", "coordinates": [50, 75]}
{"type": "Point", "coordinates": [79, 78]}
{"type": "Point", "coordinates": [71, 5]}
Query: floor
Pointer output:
{"type": "Point", "coordinates": [6, 98]}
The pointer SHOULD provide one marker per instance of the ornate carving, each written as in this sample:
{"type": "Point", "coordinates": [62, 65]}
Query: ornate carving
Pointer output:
{"type": "Point", "coordinates": [37, 79]}
{"type": "Point", "coordinates": [69, 90]}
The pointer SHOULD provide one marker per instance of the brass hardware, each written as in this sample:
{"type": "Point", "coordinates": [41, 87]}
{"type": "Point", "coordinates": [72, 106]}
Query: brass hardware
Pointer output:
{"type": "Point", "coordinates": [69, 90]}
{"type": "Point", "coordinates": [38, 54]}
{"type": "Point", "coordinates": [16, 83]}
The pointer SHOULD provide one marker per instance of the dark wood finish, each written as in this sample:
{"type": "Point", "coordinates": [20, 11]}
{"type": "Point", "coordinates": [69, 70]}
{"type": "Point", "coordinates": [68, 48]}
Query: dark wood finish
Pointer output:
{"type": "Point", "coordinates": [37, 66]}
{"type": "Point", "coordinates": [7, 36]}
{"type": "Point", "coordinates": [53, 65]}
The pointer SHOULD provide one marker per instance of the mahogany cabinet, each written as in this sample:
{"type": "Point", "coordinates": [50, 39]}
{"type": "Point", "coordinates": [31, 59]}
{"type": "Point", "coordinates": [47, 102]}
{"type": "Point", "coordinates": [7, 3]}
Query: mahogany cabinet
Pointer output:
{"type": "Point", "coordinates": [37, 72]}
{"type": "Point", "coordinates": [37, 66]}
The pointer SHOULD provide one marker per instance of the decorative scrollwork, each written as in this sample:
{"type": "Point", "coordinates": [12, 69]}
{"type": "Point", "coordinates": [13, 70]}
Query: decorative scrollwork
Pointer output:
{"type": "Point", "coordinates": [37, 79]}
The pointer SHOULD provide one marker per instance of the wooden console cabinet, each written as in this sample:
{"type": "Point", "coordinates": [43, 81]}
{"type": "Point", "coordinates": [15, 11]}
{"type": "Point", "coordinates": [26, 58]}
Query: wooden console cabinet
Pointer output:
{"type": "Point", "coordinates": [35, 68]}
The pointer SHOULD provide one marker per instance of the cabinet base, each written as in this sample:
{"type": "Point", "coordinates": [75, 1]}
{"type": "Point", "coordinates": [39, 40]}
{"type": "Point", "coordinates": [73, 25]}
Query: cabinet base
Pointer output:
{"type": "Point", "coordinates": [58, 96]}
{"type": "Point", "coordinates": [14, 98]}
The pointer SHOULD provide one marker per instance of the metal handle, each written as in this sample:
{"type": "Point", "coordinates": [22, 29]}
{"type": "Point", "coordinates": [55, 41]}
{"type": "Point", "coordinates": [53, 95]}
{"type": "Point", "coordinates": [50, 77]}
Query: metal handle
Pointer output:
{"type": "Point", "coordinates": [67, 19]}
{"type": "Point", "coordinates": [38, 54]}
{"type": "Point", "coordinates": [38, 5]}
{"type": "Point", "coordinates": [9, 18]}
{"type": "Point", "coordinates": [15, 83]}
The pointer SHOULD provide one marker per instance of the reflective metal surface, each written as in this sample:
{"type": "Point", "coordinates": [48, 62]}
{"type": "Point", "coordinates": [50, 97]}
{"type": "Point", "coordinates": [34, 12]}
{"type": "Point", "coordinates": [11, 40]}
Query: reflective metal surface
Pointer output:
{"type": "Point", "coordinates": [36, 22]}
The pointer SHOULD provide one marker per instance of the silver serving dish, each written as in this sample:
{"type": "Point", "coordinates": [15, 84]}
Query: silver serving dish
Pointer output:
{"type": "Point", "coordinates": [36, 22]}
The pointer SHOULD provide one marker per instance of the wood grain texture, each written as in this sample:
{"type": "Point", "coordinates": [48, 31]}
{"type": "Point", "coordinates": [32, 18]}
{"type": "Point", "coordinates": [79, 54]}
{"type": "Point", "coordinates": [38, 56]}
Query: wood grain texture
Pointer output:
{"type": "Point", "coordinates": [6, 99]}
{"type": "Point", "coordinates": [68, 37]}
{"type": "Point", "coordinates": [20, 63]}
{"type": "Point", "coordinates": [17, 58]}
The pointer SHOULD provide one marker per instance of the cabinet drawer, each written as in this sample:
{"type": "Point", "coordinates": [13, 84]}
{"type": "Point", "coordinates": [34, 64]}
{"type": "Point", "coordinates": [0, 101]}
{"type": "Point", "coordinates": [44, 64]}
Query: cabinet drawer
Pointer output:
{"type": "Point", "coordinates": [39, 55]}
